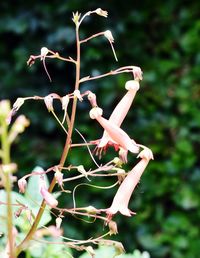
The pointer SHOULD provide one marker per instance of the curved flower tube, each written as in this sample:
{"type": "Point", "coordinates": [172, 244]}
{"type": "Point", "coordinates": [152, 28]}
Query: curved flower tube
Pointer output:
{"type": "Point", "coordinates": [116, 134]}
{"type": "Point", "coordinates": [121, 110]}
{"type": "Point", "coordinates": [124, 192]}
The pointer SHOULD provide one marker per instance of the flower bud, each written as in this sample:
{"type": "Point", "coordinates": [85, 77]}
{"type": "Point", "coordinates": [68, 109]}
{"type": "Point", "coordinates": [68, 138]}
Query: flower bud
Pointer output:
{"type": "Point", "coordinates": [22, 184]}
{"type": "Point", "coordinates": [109, 36]}
{"type": "Point", "coordinates": [95, 112]}
{"type": "Point", "coordinates": [92, 99]}
{"type": "Point", "coordinates": [146, 154]}
{"type": "Point", "coordinates": [18, 103]}
{"type": "Point", "coordinates": [48, 100]}
{"type": "Point", "coordinates": [91, 210]}
{"type": "Point", "coordinates": [132, 85]}
{"type": "Point", "coordinates": [58, 222]}
{"type": "Point", "coordinates": [119, 248]}
{"type": "Point", "coordinates": [65, 102]}
{"type": "Point", "coordinates": [59, 177]}
{"type": "Point", "coordinates": [43, 52]}
{"type": "Point", "coordinates": [137, 73]}
{"type": "Point", "coordinates": [48, 197]}
{"type": "Point", "coordinates": [77, 94]}
{"type": "Point", "coordinates": [101, 12]}
{"type": "Point", "coordinates": [117, 161]}
{"type": "Point", "coordinates": [113, 227]}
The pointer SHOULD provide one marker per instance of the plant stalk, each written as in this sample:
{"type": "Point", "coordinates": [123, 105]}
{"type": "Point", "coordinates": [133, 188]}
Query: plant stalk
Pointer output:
{"type": "Point", "coordinates": [8, 185]}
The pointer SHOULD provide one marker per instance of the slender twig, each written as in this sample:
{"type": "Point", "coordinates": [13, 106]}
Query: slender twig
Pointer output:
{"type": "Point", "coordinates": [91, 37]}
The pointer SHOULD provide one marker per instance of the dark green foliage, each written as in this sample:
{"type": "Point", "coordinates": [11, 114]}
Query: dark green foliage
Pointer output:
{"type": "Point", "coordinates": [162, 37]}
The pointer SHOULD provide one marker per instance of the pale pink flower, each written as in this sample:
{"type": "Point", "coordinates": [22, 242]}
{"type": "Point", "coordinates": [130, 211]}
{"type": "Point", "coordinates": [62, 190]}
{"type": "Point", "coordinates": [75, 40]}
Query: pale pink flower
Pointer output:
{"type": "Point", "coordinates": [77, 94]}
{"type": "Point", "coordinates": [123, 195]}
{"type": "Point", "coordinates": [58, 222]}
{"type": "Point", "coordinates": [59, 177]}
{"type": "Point", "coordinates": [43, 52]}
{"type": "Point", "coordinates": [48, 100]}
{"type": "Point", "coordinates": [118, 135]}
{"type": "Point", "coordinates": [121, 110]}
{"type": "Point", "coordinates": [101, 12]}
{"type": "Point", "coordinates": [22, 184]}
{"type": "Point", "coordinates": [48, 197]}
{"type": "Point", "coordinates": [109, 36]}
{"type": "Point", "coordinates": [115, 133]}
{"type": "Point", "coordinates": [65, 102]}
{"type": "Point", "coordinates": [116, 118]}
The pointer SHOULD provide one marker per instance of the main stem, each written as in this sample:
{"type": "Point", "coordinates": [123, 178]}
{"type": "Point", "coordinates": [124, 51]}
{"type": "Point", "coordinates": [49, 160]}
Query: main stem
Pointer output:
{"type": "Point", "coordinates": [65, 152]}
{"type": "Point", "coordinates": [8, 186]}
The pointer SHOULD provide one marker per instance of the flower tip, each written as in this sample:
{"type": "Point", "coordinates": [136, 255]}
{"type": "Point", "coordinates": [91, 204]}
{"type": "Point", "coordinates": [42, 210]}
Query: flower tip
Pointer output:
{"type": "Point", "coordinates": [146, 153]}
{"type": "Point", "coordinates": [137, 73]}
{"type": "Point", "coordinates": [109, 36]}
{"type": "Point", "coordinates": [95, 112]}
{"type": "Point", "coordinates": [92, 99]}
{"type": "Point", "coordinates": [43, 52]}
{"type": "Point", "coordinates": [58, 222]}
{"type": "Point", "coordinates": [101, 12]}
{"type": "Point", "coordinates": [132, 85]}
{"type": "Point", "coordinates": [77, 94]}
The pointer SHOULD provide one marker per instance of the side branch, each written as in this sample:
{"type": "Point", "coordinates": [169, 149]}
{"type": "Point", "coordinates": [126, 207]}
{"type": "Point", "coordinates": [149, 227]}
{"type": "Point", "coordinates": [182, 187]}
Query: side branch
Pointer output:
{"type": "Point", "coordinates": [135, 70]}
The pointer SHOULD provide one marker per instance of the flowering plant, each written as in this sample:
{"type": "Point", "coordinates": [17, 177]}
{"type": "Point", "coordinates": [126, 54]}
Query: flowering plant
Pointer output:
{"type": "Point", "coordinates": [113, 136]}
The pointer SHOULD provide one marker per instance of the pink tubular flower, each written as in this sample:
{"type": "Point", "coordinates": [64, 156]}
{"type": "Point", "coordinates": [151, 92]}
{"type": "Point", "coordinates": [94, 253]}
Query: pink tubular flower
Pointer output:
{"type": "Point", "coordinates": [122, 108]}
{"type": "Point", "coordinates": [116, 134]}
{"type": "Point", "coordinates": [116, 118]}
{"type": "Point", "coordinates": [123, 195]}
{"type": "Point", "coordinates": [48, 197]}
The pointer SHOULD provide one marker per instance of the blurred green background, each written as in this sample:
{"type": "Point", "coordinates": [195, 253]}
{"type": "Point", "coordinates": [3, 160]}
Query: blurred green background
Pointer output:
{"type": "Point", "coordinates": [163, 38]}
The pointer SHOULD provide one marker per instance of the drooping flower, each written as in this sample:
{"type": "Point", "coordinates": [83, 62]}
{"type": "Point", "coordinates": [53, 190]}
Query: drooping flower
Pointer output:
{"type": "Point", "coordinates": [109, 36]}
{"type": "Point", "coordinates": [48, 197]}
{"type": "Point", "coordinates": [101, 12]}
{"type": "Point", "coordinates": [113, 135]}
{"type": "Point", "coordinates": [116, 134]}
{"type": "Point", "coordinates": [43, 52]}
{"type": "Point", "coordinates": [124, 192]}
{"type": "Point", "coordinates": [22, 184]}
{"type": "Point", "coordinates": [77, 94]}
{"type": "Point", "coordinates": [48, 100]}
{"type": "Point", "coordinates": [58, 222]}
{"type": "Point", "coordinates": [58, 176]}
{"type": "Point", "coordinates": [121, 110]}
{"type": "Point", "coordinates": [65, 102]}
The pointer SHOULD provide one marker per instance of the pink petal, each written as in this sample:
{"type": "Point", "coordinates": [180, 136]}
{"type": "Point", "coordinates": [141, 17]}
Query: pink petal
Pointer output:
{"type": "Point", "coordinates": [120, 112]}
{"type": "Point", "coordinates": [48, 197]}
{"type": "Point", "coordinates": [118, 135]}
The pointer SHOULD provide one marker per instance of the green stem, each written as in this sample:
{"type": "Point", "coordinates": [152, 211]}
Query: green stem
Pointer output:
{"type": "Point", "coordinates": [32, 230]}
{"type": "Point", "coordinates": [8, 185]}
